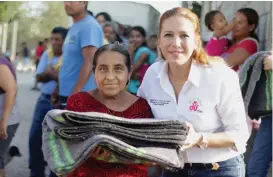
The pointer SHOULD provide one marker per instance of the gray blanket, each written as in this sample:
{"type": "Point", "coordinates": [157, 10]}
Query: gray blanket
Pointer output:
{"type": "Point", "coordinates": [256, 86]}
{"type": "Point", "coordinates": [69, 138]}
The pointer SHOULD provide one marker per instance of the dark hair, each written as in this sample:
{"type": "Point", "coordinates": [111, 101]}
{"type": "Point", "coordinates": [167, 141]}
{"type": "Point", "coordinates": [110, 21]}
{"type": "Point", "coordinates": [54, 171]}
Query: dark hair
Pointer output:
{"type": "Point", "coordinates": [209, 18]}
{"type": "Point", "coordinates": [126, 30]}
{"type": "Point", "coordinates": [252, 18]}
{"type": "Point", "coordinates": [116, 47]}
{"type": "Point", "coordinates": [106, 16]}
{"type": "Point", "coordinates": [90, 13]}
{"type": "Point", "coordinates": [40, 43]}
{"type": "Point", "coordinates": [60, 30]}
{"type": "Point", "coordinates": [142, 31]}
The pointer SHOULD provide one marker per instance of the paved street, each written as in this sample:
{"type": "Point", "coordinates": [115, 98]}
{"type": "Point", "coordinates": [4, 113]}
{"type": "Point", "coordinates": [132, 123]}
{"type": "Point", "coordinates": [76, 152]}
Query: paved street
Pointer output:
{"type": "Point", "coordinates": [18, 167]}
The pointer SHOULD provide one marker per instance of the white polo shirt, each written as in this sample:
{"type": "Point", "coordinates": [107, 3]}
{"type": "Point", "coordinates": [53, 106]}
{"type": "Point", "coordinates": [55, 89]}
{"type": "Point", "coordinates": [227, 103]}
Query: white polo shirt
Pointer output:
{"type": "Point", "coordinates": [210, 100]}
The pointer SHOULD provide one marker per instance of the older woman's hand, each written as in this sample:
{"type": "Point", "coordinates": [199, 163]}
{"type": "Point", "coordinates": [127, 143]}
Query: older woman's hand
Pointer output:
{"type": "Point", "coordinates": [268, 63]}
{"type": "Point", "coordinates": [193, 137]}
{"type": "Point", "coordinates": [100, 153]}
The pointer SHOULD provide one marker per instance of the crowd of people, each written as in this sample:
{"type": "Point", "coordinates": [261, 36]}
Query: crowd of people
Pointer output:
{"type": "Point", "coordinates": [99, 65]}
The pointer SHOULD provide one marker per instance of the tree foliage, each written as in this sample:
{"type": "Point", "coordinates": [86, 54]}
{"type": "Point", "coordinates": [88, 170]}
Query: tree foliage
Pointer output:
{"type": "Point", "coordinates": [10, 11]}
{"type": "Point", "coordinates": [33, 26]}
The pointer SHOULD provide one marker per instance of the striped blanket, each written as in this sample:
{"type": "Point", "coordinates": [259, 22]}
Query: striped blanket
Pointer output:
{"type": "Point", "coordinates": [70, 137]}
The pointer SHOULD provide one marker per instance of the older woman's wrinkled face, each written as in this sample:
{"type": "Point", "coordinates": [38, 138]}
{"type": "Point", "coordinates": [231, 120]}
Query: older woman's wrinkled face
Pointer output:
{"type": "Point", "coordinates": [109, 34]}
{"type": "Point", "coordinates": [242, 29]}
{"type": "Point", "coordinates": [177, 39]}
{"type": "Point", "coordinates": [111, 73]}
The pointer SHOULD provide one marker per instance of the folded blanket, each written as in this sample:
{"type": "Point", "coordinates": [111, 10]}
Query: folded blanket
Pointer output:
{"type": "Point", "coordinates": [256, 86]}
{"type": "Point", "coordinates": [69, 138]}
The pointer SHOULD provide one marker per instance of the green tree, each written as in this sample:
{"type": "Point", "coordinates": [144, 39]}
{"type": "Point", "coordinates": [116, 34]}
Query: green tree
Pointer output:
{"type": "Point", "coordinates": [38, 26]}
{"type": "Point", "coordinates": [10, 11]}
{"type": "Point", "coordinates": [53, 15]}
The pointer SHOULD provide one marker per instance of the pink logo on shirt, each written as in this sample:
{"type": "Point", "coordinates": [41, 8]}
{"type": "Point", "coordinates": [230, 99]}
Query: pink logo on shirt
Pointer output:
{"type": "Point", "coordinates": [194, 106]}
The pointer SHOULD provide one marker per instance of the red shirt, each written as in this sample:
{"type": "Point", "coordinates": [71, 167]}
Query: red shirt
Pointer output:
{"type": "Point", "coordinates": [39, 51]}
{"type": "Point", "coordinates": [84, 102]}
{"type": "Point", "coordinates": [248, 44]}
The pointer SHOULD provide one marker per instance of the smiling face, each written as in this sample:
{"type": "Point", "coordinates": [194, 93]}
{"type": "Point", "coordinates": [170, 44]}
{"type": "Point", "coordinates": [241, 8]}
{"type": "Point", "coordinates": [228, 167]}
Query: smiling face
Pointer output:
{"type": "Point", "coordinates": [111, 73]}
{"type": "Point", "coordinates": [136, 38]}
{"type": "Point", "coordinates": [177, 39]}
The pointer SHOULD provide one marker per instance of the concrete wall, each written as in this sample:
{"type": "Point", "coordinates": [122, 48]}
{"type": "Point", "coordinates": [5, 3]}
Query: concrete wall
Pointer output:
{"type": "Point", "coordinates": [229, 8]}
{"type": "Point", "coordinates": [128, 13]}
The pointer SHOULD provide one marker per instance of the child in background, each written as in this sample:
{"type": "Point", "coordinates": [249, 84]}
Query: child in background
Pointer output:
{"type": "Point", "coordinates": [217, 23]}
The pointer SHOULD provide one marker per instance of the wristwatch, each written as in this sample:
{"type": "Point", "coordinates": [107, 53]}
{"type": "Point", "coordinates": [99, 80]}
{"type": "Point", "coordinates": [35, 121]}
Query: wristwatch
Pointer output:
{"type": "Point", "coordinates": [203, 144]}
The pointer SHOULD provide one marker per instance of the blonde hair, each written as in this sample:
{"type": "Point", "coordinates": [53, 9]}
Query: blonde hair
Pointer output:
{"type": "Point", "coordinates": [199, 54]}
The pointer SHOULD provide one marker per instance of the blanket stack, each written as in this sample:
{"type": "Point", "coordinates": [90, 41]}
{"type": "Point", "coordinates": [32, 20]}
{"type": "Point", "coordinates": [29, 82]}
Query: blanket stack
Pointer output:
{"type": "Point", "coordinates": [69, 138]}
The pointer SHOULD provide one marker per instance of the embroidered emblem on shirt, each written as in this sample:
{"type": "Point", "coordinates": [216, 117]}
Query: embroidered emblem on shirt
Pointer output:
{"type": "Point", "coordinates": [159, 102]}
{"type": "Point", "coordinates": [195, 105]}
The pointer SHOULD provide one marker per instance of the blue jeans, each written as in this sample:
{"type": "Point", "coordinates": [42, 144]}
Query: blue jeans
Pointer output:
{"type": "Point", "coordinates": [233, 167]}
{"type": "Point", "coordinates": [36, 158]}
{"type": "Point", "coordinates": [261, 155]}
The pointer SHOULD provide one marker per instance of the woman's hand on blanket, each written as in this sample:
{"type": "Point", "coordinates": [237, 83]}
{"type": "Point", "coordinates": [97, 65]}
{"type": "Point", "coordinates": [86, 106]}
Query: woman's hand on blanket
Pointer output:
{"type": "Point", "coordinates": [268, 63]}
{"type": "Point", "coordinates": [100, 154]}
{"type": "Point", "coordinates": [193, 138]}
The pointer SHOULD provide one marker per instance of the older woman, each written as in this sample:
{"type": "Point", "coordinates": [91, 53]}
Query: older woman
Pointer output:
{"type": "Point", "coordinates": [9, 115]}
{"type": "Point", "coordinates": [201, 90]}
{"type": "Point", "coordinates": [112, 69]}
{"type": "Point", "coordinates": [245, 41]}
{"type": "Point", "coordinates": [111, 32]}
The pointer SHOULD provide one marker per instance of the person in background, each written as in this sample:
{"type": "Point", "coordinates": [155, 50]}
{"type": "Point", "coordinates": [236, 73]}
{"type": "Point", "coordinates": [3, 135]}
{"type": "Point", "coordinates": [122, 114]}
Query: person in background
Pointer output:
{"type": "Point", "coordinates": [112, 69]}
{"type": "Point", "coordinates": [125, 34]}
{"type": "Point", "coordinates": [111, 32]}
{"type": "Point", "coordinates": [152, 45]}
{"type": "Point", "coordinates": [46, 43]}
{"type": "Point", "coordinates": [9, 112]}
{"type": "Point", "coordinates": [103, 17]}
{"type": "Point", "coordinates": [26, 54]}
{"type": "Point", "coordinates": [261, 155]}
{"type": "Point", "coordinates": [81, 43]}
{"type": "Point", "coordinates": [38, 53]}
{"type": "Point", "coordinates": [139, 53]}
{"type": "Point", "coordinates": [217, 23]}
{"type": "Point", "coordinates": [47, 74]}
{"type": "Point", "coordinates": [193, 87]}
{"type": "Point", "coordinates": [245, 40]}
